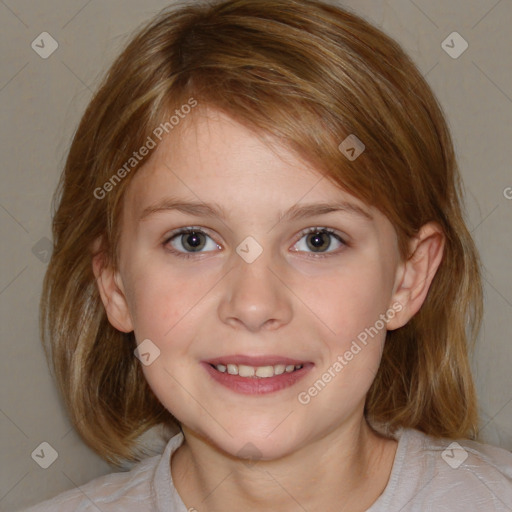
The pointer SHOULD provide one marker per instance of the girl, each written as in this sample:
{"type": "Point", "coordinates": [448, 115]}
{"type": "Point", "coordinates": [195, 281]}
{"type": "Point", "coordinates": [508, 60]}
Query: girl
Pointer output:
{"type": "Point", "coordinates": [260, 240]}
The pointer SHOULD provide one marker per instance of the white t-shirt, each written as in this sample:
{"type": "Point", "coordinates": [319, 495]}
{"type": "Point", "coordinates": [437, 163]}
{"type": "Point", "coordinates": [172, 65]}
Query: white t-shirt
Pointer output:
{"type": "Point", "coordinates": [428, 474]}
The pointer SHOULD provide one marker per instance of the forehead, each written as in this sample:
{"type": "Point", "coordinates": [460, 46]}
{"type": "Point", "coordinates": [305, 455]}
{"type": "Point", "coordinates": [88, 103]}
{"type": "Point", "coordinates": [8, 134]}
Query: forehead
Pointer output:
{"type": "Point", "coordinates": [211, 158]}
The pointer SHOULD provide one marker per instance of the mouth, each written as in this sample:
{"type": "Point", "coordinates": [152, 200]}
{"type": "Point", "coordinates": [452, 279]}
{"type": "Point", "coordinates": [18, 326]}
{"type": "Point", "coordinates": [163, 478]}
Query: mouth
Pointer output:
{"type": "Point", "coordinates": [259, 372]}
{"type": "Point", "coordinates": [256, 375]}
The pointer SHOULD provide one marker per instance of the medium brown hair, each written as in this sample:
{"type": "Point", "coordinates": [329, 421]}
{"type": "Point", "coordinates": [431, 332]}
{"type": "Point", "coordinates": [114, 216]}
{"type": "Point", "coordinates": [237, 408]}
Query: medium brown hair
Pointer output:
{"type": "Point", "coordinates": [310, 74]}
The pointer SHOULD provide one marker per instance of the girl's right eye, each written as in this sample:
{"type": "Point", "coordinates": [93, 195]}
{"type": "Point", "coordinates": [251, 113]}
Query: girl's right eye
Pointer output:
{"type": "Point", "coordinates": [192, 240]}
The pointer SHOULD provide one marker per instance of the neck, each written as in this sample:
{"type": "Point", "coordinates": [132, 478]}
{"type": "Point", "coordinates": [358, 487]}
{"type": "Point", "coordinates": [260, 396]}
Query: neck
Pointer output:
{"type": "Point", "coordinates": [346, 469]}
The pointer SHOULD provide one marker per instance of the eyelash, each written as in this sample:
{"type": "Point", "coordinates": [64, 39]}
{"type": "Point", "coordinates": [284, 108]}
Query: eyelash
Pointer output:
{"type": "Point", "coordinates": [307, 231]}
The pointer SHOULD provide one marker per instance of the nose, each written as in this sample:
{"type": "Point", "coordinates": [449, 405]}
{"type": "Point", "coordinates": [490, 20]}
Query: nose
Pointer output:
{"type": "Point", "coordinates": [254, 296]}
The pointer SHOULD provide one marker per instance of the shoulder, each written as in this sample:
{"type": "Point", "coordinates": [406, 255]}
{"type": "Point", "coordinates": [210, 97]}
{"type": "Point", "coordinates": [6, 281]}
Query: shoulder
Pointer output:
{"type": "Point", "coordinates": [115, 491]}
{"type": "Point", "coordinates": [132, 490]}
{"type": "Point", "coordinates": [445, 474]}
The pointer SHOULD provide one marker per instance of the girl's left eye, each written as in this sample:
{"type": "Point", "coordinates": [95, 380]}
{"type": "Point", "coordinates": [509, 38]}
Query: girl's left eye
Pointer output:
{"type": "Point", "coordinates": [320, 238]}
{"type": "Point", "coordinates": [193, 240]}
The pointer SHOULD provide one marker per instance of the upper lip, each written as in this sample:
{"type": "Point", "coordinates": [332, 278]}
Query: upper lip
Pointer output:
{"type": "Point", "coordinates": [270, 360]}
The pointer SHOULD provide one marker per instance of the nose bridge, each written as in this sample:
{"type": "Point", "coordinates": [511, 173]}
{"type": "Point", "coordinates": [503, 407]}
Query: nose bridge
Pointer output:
{"type": "Point", "coordinates": [253, 295]}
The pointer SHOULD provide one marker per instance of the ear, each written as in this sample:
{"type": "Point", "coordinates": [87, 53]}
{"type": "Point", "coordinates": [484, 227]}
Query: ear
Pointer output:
{"type": "Point", "coordinates": [112, 294]}
{"type": "Point", "coordinates": [416, 274]}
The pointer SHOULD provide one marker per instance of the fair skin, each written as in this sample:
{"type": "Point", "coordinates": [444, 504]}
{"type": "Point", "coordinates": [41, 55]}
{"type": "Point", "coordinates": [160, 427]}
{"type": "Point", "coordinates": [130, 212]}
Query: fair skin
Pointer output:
{"type": "Point", "coordinates": [288, 302]}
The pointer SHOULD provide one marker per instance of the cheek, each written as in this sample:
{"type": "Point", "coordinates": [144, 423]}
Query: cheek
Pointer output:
{"type": "Point", "coordinates": [161, 300]}
{"type": "Point", "coordinates": [346, 300]}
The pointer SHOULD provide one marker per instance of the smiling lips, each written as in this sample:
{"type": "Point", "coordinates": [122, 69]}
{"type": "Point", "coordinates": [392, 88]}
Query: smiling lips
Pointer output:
{"type": "Point", "coordinates": [263, 372]}
{"type": "Point", "coordinates": [256, 375]}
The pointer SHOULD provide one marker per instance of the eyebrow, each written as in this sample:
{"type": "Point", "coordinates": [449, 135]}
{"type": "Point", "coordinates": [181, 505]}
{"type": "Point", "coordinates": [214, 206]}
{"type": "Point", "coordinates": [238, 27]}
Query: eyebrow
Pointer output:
{"type": "Point", "coordinates": [296, 212]}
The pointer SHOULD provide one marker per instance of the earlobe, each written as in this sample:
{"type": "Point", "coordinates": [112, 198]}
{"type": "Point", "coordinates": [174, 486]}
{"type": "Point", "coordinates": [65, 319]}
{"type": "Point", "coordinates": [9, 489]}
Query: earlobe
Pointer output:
{"type": "Point", "coordinates": [417, 273]}
{"type": "Point", "coordinates": [112, 294]}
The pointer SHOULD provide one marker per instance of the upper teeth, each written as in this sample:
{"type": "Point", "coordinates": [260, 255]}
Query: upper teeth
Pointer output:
{"type": "Point", "coordinates": [259, 371]}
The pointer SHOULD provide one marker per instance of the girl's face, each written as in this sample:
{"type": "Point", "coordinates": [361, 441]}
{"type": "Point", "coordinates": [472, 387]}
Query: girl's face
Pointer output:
{"type": "Point", "coordinates": [251, 290]}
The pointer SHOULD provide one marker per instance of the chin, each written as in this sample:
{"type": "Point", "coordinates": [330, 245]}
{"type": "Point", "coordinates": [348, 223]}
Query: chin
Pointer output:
{"type": "Point", "coordinates": [254, 444]}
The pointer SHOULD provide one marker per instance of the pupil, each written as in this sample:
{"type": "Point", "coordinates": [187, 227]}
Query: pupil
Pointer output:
{"type": "Point", "coordinates": [318, 241]}
{"type": "Point", "coordinates": [192, 240]}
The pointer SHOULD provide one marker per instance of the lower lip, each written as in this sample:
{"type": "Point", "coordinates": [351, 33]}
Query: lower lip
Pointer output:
{"type": "Point", "coordinates": [257, 385]}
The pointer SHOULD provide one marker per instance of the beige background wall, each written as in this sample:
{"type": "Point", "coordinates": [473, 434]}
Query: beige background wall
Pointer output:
{"type": "Point", "coordinates": [41, 101]}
